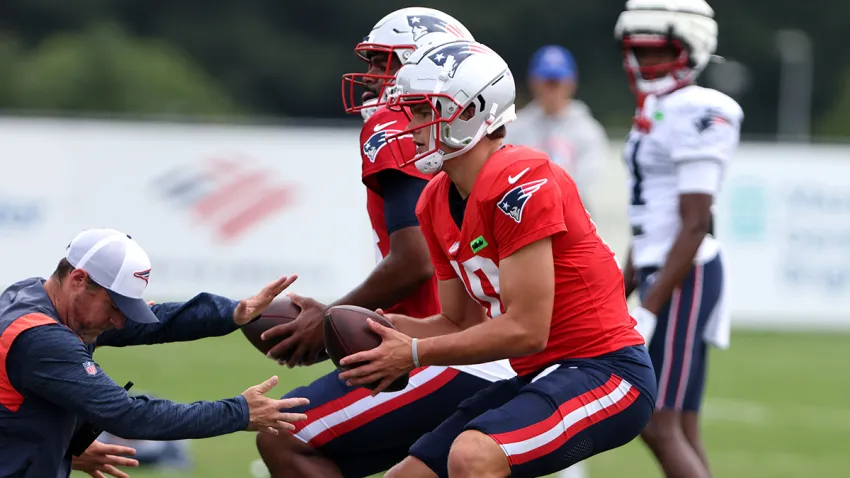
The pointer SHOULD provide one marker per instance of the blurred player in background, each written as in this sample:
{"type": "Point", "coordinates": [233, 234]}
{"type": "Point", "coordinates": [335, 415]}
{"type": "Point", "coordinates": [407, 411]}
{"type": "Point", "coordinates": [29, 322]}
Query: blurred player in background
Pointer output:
{"type": "Point", "coordinates": [677, 151]}
{"type": "Point", "coordinates": [348, 432]}
{"type": "Point", "coordinates": [523, 275]}
{"type": "Point", "coordinates": [558, 124]}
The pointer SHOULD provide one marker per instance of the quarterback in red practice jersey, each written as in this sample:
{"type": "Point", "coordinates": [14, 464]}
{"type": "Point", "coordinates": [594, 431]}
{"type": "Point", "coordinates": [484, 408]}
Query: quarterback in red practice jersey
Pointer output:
{"type": "Point", "coordinates": [522, 275]}
{"type": "Point", "coordinates": [348, 432]}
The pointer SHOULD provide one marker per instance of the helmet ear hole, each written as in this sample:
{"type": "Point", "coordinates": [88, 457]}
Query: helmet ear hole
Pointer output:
{"type": "Point", "coordinates": [468, 113]}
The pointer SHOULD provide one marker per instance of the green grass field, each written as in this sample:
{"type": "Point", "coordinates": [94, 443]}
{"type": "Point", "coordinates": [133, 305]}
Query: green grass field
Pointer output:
{"type": "Point", "coordinates": [778, 404]}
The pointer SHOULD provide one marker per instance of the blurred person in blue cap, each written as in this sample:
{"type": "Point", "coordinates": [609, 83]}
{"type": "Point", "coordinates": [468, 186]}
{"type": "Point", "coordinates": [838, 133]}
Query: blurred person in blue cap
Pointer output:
{"type": "Point", "coordinates": [558, 124]}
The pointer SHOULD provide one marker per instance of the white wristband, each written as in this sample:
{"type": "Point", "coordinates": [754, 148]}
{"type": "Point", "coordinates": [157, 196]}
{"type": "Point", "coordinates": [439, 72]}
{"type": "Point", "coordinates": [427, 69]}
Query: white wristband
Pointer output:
{"type": "Point", "coordinates": [414, 348]}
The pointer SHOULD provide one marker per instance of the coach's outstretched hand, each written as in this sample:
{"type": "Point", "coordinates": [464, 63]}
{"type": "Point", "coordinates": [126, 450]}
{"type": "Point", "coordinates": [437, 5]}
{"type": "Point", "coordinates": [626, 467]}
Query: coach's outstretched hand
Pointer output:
{"type": "Point", "coordinates": [252, 307]}
{"type": "Point", "coordinates": [100, 460]}
{"type": "Point", "coordinates": [265, 413]}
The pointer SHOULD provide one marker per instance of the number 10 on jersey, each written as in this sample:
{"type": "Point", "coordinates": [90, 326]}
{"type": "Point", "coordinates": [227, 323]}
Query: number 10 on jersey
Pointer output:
{"type": "Point", "coordinates": [480, 276]}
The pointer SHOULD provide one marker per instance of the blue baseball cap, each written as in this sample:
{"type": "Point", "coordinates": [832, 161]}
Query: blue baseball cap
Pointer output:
{"type": "Point", "coordinates": [553, 62]}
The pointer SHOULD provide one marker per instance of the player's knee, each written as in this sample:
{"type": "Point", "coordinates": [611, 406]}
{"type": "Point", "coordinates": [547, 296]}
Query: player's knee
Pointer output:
{"type": "Point", "coordinates": [280, 450]}
{"type": "Point", "coordinates": [474, 454]}
{"type": "Point", "coordinates": [410, 467]}
{"type": "Point", "coordinates": [665, 426]}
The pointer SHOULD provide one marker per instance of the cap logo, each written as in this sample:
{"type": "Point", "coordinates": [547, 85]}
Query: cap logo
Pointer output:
{"type": "Point", "coordinates": [144, 275]}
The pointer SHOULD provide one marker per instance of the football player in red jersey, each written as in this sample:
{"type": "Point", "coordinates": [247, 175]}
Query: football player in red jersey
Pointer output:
{"type": "Point", "coordinates": [522, 275]}
{"type": "Point", "coordinates": [348, 432]}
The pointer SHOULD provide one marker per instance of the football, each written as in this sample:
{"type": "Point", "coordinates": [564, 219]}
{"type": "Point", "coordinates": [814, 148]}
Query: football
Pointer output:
{"type": "Point", "coordinates": [281, 311]}
{"type": "Point", "coordinates": [346, 332]}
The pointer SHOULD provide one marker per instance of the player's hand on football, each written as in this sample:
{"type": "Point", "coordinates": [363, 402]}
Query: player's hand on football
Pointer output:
{"type": "Point", "coordinates": [305, 340]}
{"type": "Point", "coordinates": [250, 308]}
{"type": "Point", "coordinates": [265, 413]}
{"type": "Point", "coordinates": [100, 460]}
{"type": "Point", "coordinates": [384, 363]}
{"type": "Point", "coordinates": [391, 318]}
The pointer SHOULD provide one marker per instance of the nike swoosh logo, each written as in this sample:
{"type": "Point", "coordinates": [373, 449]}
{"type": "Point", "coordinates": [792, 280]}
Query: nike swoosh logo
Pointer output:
{"type": "Point", "coordinates": [513, 179]}
{"type": "Point", "coordinates": [379, 127]}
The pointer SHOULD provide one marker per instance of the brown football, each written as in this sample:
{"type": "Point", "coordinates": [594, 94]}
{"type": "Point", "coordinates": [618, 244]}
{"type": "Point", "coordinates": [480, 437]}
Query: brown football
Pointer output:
{"type": "Point", "coordinates": [281, 311]}
{"type": "Point", "coordinates": [346, 332]}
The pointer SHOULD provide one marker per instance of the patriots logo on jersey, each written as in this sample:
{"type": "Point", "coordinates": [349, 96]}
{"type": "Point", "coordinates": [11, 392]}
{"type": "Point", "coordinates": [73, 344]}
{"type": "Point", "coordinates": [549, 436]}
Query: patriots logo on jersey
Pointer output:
{"type": "Point", "coordinates": [453, 55]}
{"type": "Point", "coordinates": [422, 25]}
{"type": "Point", "coordinates": [513, 202]}
{"type": "Point", "coordinates": [709, 119]}
{"type": "Point", "coordinates": [375, 143]}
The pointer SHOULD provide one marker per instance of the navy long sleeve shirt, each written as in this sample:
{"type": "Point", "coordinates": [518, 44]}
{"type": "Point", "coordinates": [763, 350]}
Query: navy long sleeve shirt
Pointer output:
{"type": "Point", "coordinates": [62, 386]}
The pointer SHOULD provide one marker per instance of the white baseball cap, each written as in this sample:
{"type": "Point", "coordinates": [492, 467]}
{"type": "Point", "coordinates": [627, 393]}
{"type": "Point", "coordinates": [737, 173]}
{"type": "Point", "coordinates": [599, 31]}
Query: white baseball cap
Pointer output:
{"type": "Point", "coordinates": [117, 263]}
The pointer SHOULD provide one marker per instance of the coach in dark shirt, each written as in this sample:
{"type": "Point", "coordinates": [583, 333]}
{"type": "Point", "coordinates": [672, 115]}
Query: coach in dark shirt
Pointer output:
{"type": "Point", "coordinates": [49, 384]}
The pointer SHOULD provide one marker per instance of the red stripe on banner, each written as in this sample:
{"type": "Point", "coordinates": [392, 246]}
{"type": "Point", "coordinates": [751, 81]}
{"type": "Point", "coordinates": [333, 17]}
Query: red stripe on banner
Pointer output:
{"type": "Point", "coordinates": [266, 203]}
{"type": "Point", "coordinates": [241, 185]}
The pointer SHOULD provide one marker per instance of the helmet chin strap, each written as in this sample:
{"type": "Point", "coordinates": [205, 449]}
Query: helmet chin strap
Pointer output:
{"type": "Point", "coordinates": [433, 162]}
{"type": "Point", "coordinates": [367, 110]}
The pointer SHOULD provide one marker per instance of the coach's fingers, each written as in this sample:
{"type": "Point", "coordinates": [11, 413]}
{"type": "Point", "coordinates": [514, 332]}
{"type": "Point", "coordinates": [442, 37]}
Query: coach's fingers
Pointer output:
{"type": "Point", "coordinates": [275, 288]}
{"type": "Point", "coordinates": [285, 426]}
{"type": "Point", "coordinates": [286, 403]}
{"type": "Point", "coordinates": [109, 449]}
{"type": "Point", "coordinates": [264, 387]}
{"type": "Point", "coordinates": [119, 461]}
{"type": "Point", "coordinates": [96, 474]}
{"type": "Point", "coordinates": [269, 431]}
{"type": "Point", "coordinates": [112, 471]}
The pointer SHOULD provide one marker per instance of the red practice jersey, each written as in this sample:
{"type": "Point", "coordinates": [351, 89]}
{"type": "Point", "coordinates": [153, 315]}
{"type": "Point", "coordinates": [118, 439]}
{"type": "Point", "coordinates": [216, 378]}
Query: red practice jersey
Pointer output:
{"type": "Point", "coordinates": [377, 157]}
{"type": "Point", "coordinates": [520, 197]}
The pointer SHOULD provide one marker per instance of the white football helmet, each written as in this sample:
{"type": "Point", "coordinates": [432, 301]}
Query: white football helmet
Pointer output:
{"type": "Point", "coordinates": [398, 34]}
{"type": "Point", "coordinates": [686, 25]}
{"type": "Point", "coordinates": [451, 77]}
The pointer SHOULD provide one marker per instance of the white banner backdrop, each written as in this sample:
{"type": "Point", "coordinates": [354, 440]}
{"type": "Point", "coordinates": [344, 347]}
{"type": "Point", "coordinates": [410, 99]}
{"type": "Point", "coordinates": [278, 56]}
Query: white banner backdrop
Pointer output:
{"type": "Point", "coordinates": [225, 209]}
{"type": "Point", "coordinates": [219, 209]}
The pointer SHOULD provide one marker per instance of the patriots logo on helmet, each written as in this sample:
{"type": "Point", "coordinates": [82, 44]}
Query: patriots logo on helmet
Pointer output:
{"type": "Point", "coordinates": [375, 143]}
{"type": "Point", "coordinates": [452, 55]}
{"type": "Point", "coordinates": [144, 275]}
{"type": "Point", "coordinates": [709, 119]}
{"type": "Point", "coordinates": [513, 202]}
{"type": "Point", "coordinates": [421, 25]}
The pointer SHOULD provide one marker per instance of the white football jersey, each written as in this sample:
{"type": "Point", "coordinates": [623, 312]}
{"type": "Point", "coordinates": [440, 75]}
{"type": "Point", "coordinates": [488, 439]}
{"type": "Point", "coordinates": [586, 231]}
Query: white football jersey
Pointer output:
{"type": "Point", "coordinates": [694, 133]}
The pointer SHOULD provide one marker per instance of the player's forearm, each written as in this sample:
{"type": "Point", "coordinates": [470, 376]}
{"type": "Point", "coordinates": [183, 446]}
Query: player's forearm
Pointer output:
{"type": "Point", "coordinates": [495, 339]}
{"type": "Point", "coordinates": [679, 261]}
{"type": "Point", "coordinates": [389, 282]}
{"type": "Point", "coordinates": [426, 327]}
{"type": "Point", "coordinates": [205, 315]}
